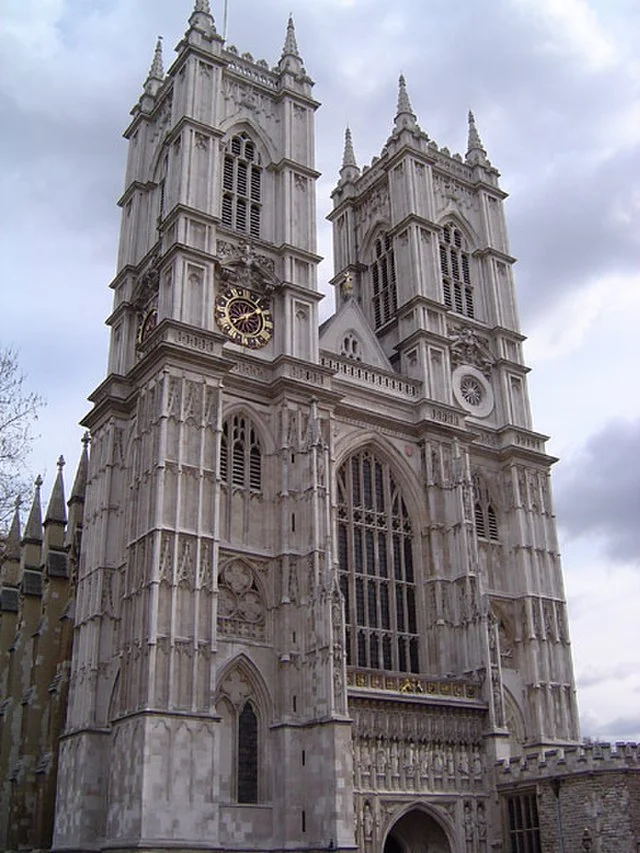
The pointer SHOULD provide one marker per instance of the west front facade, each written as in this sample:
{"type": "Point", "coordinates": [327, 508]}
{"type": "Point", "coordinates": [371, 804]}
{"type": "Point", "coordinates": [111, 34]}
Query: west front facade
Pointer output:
{"type": "Point", "coordinates": [319, 603]}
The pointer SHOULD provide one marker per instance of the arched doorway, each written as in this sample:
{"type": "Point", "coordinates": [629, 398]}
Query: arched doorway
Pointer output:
{"type": "Point", "coordinates": [417, 832]}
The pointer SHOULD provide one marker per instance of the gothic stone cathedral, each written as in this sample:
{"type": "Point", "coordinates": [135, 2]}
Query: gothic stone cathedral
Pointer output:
{"type": "Point", "coordinates": [319, 604]}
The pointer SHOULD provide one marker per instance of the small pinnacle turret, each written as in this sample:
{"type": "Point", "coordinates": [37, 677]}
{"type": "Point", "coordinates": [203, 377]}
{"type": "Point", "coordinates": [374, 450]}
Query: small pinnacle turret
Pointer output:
{"type": "Point", "coordinates": [12, 544]}
{"type": "Point", "coordinates": [33, 531]}
{"type": "Point", "coordinates": [291, 60]}
{"type": "Point", "coordinates": [56, 510]}
{"type": "Point", "coordinates": [349, 170]}
{"type": "Point", "coordinates": [476, 153]}
{"type": "Point", "coordinates": [405, 117]}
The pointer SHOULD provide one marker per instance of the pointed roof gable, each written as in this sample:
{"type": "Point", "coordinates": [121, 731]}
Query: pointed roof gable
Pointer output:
{"type": "Point", "coordinates": [348, 333]}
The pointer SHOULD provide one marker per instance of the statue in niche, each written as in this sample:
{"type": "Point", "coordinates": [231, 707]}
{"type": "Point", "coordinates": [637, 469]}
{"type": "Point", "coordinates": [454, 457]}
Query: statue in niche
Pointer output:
{"type": "Point", "coordinates": [367, 821]}
{"type": "Point", "coordinates": [468, 823]}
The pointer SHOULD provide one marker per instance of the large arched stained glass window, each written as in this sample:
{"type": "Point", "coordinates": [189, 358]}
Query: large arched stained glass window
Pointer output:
{"type": "Point", "coordinates": [375, 553]}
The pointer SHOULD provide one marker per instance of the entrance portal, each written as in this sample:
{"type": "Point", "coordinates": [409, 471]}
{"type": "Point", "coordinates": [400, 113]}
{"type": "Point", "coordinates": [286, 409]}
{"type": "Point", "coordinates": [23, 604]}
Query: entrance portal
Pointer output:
{"type": "Point", "coordinates": [417, 832]}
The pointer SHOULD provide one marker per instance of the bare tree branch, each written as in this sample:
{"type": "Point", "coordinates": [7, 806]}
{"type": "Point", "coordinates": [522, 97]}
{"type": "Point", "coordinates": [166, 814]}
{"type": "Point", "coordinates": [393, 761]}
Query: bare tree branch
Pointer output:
{"type": "Point", "coordinates": [19, 409]}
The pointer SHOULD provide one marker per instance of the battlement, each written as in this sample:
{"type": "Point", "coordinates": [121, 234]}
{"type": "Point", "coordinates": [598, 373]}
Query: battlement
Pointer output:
{"type": "Point", "coordinates": [569, 760]}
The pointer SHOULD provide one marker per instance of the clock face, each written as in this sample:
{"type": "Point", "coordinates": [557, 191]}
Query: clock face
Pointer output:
{"type": "Point", "coordinates": [244, 317]}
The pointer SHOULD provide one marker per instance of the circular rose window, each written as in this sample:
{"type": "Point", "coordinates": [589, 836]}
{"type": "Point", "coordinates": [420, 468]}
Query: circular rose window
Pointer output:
{"type": "Point", "coordinates": [472, 391]}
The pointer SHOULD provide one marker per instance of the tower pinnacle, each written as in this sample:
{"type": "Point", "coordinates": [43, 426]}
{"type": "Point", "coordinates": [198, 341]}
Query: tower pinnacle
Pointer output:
{"type": "Point", "coordinates": [33, 529]}
{"type": "Point", "coordinates": [349, 170]}
{"type": "Point", "coordinates": [56, 510]}
{"type": "Point", "coordinates": [156, 73]}
{"type": "Point", "coordinates": [349, 157]}
{"type": "Point", "coordinates": [12, 543]}
{"type": "Point", "coordinates": [476, 153]}
{"type": "Point", "coordinates": [290, 59]}
{"type": "Point", "coordinates": [405, 116]}
{"type": "Point", "coordinates": [290, 44]}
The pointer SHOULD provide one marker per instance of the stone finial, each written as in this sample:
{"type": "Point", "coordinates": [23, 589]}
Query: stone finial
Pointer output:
{"type": "Point", "coordinates": [405, 116]}
{"type": "Point", "coordinates": [157, 68]}
{"type": "Point", "coordinates": [156, 73]}
{"type": "Point", "coordinates": [349, 157]}
{"type": "Point", "coordinates": [476, 153]}
{"type": "Point", "coordinates": [12, 543]}
{"type": "Point", "coordinates": [56, 509]}
{"type": "Point", "coordinates": [290, 59]}
{"type": "Point", "coordinates": [349, 170]}
{"type": "Point", "coordinates": [33, 530]}
{"type": "Point", "coordinates": [202, 6]}
{"type": "Point", "coordinates": [290, 44]}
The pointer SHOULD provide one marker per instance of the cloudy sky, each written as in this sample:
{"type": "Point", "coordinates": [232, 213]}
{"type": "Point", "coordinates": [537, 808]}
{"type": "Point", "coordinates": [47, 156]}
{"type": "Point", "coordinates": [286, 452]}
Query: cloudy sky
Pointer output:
{"type": "Point", "coordinates": [555, 87]}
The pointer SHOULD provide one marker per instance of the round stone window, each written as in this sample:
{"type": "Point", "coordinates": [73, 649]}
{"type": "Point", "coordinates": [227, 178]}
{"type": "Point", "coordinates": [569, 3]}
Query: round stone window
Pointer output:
{"type": "Point", "coordinates": [472, 391]}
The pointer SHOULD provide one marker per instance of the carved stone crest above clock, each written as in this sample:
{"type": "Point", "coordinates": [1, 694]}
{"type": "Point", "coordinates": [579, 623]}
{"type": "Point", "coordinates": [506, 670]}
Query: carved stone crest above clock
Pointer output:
{"type": "Point", "coordinates": [242, 266]}
{"type": "Point", "coordinates": [467, 347]}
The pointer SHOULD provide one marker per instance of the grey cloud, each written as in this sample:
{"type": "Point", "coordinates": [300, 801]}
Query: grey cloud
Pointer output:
{"type": "Point", "coordinates": [617, 729]}
{"type": "Point", "coordinates": [592, 675]}
{"type": "Point", "coordinates": [599, 491]}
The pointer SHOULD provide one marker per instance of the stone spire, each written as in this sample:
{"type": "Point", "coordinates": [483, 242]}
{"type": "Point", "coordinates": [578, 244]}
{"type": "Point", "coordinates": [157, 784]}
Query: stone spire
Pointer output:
{"type": "Point", "coordinates": [80, 482]}
{"type": "Point", "coordinates": [291, 59]}
{"type": "Point", "coordinates": [405, 117]}
{"type": "Point", "coordinates": [33, 530]}
{"type": "Point", "coordinates": [56, 510]}
{"type": "Point", "coordinates": [349, 170]}
{"type": "Point", "coordinates": [476, 153]}
{"type": "Point", "coordinates": [12, 543]}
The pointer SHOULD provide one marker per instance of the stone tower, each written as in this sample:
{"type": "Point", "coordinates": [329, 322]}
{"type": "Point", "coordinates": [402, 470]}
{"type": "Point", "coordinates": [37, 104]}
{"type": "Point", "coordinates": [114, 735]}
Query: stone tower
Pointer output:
{"type": "Point", "coordinates": [319, 592]}
{"type": "Point", "coordinates": [208, 674]}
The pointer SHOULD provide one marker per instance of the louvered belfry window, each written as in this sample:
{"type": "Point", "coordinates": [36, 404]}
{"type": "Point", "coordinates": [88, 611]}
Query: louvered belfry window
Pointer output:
{"type": "Point", "coordinates": [383, 280]}
{"type": "Point", "coordinates": [484, 512]}
{"type": "Point", "coordinates": [457, 289]}
{"type": "Point", "coordinates": [242, 186]}
{"type": "Point", "coordinates": [241, 454]}
{"type": "Point", "coordinates": [375, 555]}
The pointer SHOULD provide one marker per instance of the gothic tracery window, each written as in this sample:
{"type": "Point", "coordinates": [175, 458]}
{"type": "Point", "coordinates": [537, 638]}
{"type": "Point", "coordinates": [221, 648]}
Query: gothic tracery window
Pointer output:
{"type": "Point", "coordinates": [457, 288]}
{"type": "Point", "coordinates": [240, 454]}
{"type": "Point", "coordinates": [375, 555]}
{"type": "Point", "coordinates": [383, 279]}
{"type": "Point", "coordinates": [242, 186]}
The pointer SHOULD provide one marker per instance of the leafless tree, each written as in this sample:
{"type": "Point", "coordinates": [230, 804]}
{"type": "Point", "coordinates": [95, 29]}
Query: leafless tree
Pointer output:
{"type": "Point", "coordinates": [18, 413]}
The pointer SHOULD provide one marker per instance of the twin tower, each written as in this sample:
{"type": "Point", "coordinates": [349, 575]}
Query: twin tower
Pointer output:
{"type": "Point", "coordinates": [319, 592]}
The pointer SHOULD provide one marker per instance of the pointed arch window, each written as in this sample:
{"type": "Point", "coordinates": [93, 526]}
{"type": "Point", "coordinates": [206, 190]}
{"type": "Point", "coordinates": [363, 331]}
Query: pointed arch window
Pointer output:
{"type": "Point", "coordinates": [484, 513]}
{"type": "Point", "coordinates": [247, 755]}
{"type": "Point", "coordinates": [383, 281]}
{"type": "Point", "coordinates": [241, 454]}
{"type": "Point", "coordinates": [455, 265]}
{"type": "Point", "coordinates": [375, 555]}
{"type": "Point", "coordinates": [242, 186]}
